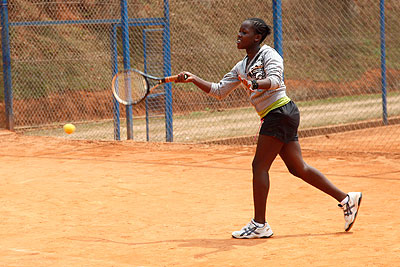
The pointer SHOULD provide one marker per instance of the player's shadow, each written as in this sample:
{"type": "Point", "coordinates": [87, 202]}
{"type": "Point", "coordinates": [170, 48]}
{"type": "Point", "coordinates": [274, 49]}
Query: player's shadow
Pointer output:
{"type": "Point", "coordinates": [219, 245]}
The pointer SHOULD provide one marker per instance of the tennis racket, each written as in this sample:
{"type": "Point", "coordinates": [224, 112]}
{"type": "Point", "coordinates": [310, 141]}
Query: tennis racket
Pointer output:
{"type": "Point", "coordinates": [131, 87]}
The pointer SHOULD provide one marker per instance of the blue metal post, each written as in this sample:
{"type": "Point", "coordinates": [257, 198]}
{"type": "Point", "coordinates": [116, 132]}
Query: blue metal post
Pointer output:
{"type": "Point", "coordinates": [167, 72]}
{"type": "Point", "coordinates": [127, 62]}
{"type": "Point", "coordinates": [114, 66]}
{"type": "Point", "coordinates": [277, 16]}
{"type": "Point", "coordinates": [146, 103]}
{"type": "Point", "coordinates": [146, 47]}
{"type": "Point", "coordinates": [383, 61]}
{"type": "Point", "coordinates": [5, 44]}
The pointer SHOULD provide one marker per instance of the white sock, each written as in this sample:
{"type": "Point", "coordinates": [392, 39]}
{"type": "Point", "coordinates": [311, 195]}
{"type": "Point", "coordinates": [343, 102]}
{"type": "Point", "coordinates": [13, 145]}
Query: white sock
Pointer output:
{"type": "Point", "coordinates": [345, 200]}
{"type": "Point", "coordinates": [259, 225]}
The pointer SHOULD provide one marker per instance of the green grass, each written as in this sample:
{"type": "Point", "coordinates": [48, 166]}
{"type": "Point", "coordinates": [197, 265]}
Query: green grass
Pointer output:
{"type": "Point", "coordinates": [213, 125]}
{"type": "Point", "coordinates": [343, 99]}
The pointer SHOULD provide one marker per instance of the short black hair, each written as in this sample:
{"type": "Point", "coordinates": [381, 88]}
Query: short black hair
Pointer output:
{"type": "Point", "coordinates": [260, 27]}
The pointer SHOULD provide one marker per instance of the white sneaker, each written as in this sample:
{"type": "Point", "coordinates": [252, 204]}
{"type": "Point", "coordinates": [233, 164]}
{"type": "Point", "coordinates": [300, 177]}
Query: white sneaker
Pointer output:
{"type": "Point", "coordinates": [350, 209]}
{"type": "Point", "coordinates": [251, 230]}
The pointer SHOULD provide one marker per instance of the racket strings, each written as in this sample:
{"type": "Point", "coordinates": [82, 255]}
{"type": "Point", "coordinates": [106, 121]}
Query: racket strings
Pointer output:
{"type": "Point", "coordinates": [130, 87]}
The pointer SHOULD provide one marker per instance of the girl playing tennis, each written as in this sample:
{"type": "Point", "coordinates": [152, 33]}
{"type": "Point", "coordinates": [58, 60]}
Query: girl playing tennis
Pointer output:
{"type": "Point", "coordinates": [261, 72]}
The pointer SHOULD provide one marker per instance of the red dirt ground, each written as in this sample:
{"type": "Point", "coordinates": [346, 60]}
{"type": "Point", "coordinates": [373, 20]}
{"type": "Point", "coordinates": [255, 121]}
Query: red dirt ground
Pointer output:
{"type": "Point", "coordinates": [91, 203]}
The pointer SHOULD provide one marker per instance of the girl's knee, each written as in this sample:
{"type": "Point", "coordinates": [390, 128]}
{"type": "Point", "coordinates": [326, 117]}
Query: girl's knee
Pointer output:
{"type": "Point", "coordinates": [299, 171]}
{"type": "Point", "coordinates": [258, 166]}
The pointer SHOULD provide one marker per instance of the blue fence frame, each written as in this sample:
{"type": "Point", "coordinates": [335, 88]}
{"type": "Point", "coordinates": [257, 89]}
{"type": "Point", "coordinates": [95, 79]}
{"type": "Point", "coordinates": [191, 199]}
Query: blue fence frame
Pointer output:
{"type": "Point", "coordinates": [125, 23]}
{"type": "Point", "coordinates": [153, 95]}
{"type": "Point", "coordinates": [5, 41]}
{"type": "Point", "coordinates": [277, 24]}
{"type": "Point", "coordinates": [383, 60]}
{"type": "Point", "coordinates": [167, 72]}
{"type": "Point", "coordinates": [127, 62]}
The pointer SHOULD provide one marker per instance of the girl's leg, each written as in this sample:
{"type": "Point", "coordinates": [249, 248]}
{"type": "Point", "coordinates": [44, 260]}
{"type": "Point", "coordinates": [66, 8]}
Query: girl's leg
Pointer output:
{"type": "Point", "coordinates": [291, 155]}
{"type": "Point", "coordinates": [268, 148]}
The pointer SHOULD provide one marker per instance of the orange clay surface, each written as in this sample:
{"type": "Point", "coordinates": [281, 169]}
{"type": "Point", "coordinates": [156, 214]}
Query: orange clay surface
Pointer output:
{"type": "Point", "coordinates": [93, 203]}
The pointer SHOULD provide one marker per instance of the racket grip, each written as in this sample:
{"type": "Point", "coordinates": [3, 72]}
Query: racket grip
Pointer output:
{"type": "Point", "coordinates": [172, 79]}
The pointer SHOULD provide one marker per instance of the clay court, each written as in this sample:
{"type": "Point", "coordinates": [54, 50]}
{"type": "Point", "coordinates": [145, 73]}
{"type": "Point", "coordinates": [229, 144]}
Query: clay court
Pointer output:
{"type": "Point", "coordinates": [101, 203]}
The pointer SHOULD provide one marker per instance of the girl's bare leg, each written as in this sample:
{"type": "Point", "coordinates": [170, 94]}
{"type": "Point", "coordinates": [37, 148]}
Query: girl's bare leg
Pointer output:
{"type": "Point", "coordinates": [291, 155]}
{"type": "Point", "coordinates": [268, 148]}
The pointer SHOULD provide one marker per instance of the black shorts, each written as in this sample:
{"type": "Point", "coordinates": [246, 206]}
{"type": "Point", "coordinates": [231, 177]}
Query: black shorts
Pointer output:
{"type": "Point", "coordinates": [282, 123]}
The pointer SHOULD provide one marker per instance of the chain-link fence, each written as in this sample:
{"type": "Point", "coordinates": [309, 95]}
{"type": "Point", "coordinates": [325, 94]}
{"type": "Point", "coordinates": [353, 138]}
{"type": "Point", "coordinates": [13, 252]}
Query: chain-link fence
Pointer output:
{"type": "Point", "coordinates": [64, 54]}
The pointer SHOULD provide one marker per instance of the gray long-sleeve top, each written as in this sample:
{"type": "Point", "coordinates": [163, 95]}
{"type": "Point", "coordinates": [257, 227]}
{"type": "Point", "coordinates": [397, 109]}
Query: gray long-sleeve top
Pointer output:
{"type": "Point", "coordinates": [267, 63]}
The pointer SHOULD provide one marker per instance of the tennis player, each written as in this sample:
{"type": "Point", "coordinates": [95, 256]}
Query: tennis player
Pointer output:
{"type": "Point", "coordinates": [261, 72]}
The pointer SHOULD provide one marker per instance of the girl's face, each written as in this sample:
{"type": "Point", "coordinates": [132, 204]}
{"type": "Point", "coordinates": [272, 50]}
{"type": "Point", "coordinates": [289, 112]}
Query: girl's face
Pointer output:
{"type": "Point", "coordinates": [247, 37]}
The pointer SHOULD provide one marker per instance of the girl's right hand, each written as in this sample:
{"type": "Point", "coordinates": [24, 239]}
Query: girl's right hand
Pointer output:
{"type": "Point", "coordinates": [185, 77]}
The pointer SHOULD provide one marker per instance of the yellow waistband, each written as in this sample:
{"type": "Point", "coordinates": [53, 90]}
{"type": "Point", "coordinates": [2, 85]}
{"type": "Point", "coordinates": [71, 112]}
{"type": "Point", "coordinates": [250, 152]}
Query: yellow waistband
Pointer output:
{"type": "Point", "coordinates": [279, 103]}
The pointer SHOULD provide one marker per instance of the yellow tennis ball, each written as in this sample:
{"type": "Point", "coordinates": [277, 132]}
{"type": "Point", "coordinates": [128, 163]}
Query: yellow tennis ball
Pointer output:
{"type": "Point", "coordinates": [69, 128]}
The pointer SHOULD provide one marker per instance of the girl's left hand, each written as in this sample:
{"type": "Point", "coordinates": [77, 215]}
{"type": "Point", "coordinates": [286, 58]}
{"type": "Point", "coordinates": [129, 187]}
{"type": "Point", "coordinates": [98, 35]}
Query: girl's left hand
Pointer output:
{"type": "Point", "coordinates": [246, 83]}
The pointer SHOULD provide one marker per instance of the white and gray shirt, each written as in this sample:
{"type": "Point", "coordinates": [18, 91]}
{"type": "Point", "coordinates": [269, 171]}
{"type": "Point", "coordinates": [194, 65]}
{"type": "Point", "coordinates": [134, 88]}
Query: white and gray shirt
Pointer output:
{"type": "Point", "coordinates": [267, 63]}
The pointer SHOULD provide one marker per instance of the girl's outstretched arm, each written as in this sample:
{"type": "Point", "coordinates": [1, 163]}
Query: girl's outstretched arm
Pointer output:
{"type": "Point", "coordinates": [199, 82]}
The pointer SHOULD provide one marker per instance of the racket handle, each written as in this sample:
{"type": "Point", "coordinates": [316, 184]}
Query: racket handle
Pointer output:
{"type": "Point", "coordinates": [172, 78]}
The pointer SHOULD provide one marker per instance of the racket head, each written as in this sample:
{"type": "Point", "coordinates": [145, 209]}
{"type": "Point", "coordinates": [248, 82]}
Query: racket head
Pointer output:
{"type": "Point", "coordinates": [130, 87]}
